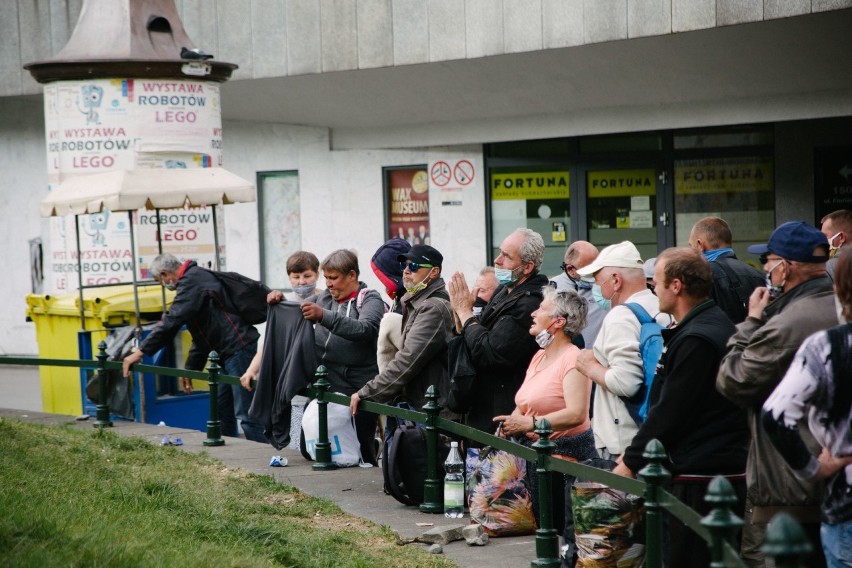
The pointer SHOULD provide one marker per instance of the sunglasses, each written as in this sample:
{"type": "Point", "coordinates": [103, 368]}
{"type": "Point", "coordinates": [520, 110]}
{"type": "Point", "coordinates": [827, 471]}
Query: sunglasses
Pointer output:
{"type": "Point", "coordinates": [413, 266]}
{"type": "Point", "coordinates": [567, 267]}
{"type": "Point", "coordinates": [763, 259]}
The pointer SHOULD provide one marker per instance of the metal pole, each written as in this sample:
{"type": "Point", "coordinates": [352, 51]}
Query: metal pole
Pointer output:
{"type": "Point", "coordinates": [433, 488]}
{"type": "Point", "coordinates": [102, 408]}
{"type": "Point", "coordinates": [546, 539]}
{"type": "Point", "coordinates": [133, 262]}
{"type": "Point", "coordinates": [323, 448]}
{"type": "Point", "coordinates": [721, 522]}
{"type": "Point", "coordinates": [655, 475]}
{"type": "Point", "coordinates": [159, 252]}
{"type": "Point", "coordinates": [216, 238]}
{"type": "Point", "coordinates": [80, 272]}
{"type": "Point", "coordinates": [214, 426]}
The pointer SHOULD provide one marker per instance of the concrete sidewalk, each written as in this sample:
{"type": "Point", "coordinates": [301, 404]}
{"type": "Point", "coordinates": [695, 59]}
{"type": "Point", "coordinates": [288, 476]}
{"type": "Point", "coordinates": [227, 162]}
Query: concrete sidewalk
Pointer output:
{"type": "Point", "coordinates": [357, 491]}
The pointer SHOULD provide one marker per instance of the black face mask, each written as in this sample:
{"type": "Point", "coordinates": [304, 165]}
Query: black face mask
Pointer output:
{"type": "Point", "coordinates": [479, 303]}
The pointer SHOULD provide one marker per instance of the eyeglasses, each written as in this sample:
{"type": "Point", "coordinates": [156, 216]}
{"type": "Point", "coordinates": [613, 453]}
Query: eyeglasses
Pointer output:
{"type": "Point", "coordinates": [567, 267]}
{"type": "Point", "coordinates": [763, 259]}
{"type": "Point", "coordinates": [413, 266]}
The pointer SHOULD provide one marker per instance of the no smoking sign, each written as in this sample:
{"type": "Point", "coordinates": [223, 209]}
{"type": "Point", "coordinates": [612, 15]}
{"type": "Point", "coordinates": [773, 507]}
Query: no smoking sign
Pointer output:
{"type": "Point", "coordinates": [441, 173]}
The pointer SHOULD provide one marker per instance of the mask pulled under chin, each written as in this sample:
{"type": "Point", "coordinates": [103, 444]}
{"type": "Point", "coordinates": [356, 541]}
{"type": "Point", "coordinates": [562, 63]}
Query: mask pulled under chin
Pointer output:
{"type": "Point", "coordinates": [170, 286]}
{"type": "Point", "coordinates": [544, 338]}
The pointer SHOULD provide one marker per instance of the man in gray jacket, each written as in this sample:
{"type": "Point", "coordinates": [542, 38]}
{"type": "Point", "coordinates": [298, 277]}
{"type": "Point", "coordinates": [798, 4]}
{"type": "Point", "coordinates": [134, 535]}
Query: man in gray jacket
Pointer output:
{"type": "Point", "coordinates": [427, 325]}
{"type": "Point", "coordinates": [796, 303]}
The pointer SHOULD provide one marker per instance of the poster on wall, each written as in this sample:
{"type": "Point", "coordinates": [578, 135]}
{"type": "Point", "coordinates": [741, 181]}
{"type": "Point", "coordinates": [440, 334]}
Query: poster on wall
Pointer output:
{"type": "Point", "coordinates": [407, 198]}
{"type": "Point", "coordinates": [280, 224]}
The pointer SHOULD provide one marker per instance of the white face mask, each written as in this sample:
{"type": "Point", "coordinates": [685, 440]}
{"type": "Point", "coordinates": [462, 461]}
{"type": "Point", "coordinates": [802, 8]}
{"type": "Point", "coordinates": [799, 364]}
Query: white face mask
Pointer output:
{"type": "Point", "coordinates": [839, 309]}
{"type": "Point", "coordinates": [832, 250]}
{"type": "Point", "coordinates": [544, 337]}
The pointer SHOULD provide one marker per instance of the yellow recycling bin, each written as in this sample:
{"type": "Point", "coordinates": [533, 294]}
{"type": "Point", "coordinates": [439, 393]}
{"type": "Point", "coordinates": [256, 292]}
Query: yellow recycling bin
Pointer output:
{"type": "Point", "coordinates": [58, 325]}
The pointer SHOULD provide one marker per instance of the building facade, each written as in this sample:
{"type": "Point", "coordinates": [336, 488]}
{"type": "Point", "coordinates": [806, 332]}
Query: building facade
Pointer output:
{"type": "Point", "coordinates": [457, 121]}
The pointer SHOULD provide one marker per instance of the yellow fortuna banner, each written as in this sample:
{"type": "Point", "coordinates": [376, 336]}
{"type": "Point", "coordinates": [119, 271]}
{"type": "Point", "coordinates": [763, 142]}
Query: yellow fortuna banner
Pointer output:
{"type": "Point", "coordinates": [621, 183]}
{"type": "Point", "coordinates": [723, 175]}
{"type": "Point", "coordinates": [530, 185]}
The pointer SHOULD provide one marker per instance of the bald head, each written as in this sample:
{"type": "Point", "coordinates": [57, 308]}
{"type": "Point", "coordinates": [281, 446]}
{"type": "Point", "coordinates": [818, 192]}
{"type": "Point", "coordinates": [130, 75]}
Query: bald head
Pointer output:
{"type": "Point", "coordinates": [578, 255]}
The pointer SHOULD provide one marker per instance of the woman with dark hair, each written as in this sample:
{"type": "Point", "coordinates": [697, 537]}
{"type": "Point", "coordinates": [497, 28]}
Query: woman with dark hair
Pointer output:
{"type": "Point", "coordinates": [555, 390]}
{"type": "Point", "coordinates": [818, 387]}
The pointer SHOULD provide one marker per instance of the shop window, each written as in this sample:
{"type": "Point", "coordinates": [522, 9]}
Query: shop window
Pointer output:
{"type": "Point", "coordinates": [740, 190]}
{"type": "Point", "coordinates": [538, 200]}
{"type": "Point", "coordinates": [621, 206]}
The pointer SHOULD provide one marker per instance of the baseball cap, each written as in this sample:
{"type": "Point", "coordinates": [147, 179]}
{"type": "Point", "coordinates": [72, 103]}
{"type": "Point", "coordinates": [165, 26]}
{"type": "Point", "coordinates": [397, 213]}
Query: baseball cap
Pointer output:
{"type": "Point", "coordinates": [621, 255]}
{"type": "Point", "coordinates": [423, 254]}
{"type": "Point", "coordinates": [796, 241]}
{"type": "Point", "coordinates": [648, 267]}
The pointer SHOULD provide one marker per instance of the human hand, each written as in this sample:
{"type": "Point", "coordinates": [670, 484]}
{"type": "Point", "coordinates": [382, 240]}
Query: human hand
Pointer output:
{"type": "Point", "coordinates": [461, 297]}
{"type": "Point", "coordinates": [131, 359]}
{"type": "Point", "coordinates": [274, 297]}
{"type": "Point", "coordinates": [829, 464]}
{"type": "Point", "coordinates": [311, 311]}
{"type": "Point", "coordinates": [757, 302]}
{"type": "Point", "coordinates": [246, 380]}
{"type": "Point", "coordinates": [353, 403]}
{"type": "Point", "coordinates": [586, 361]}
{"type": "Point", "coordinates": [185, 384]}
{"type": "Point", "coordinates": [623, 470]}
{"type": "Point", "coordinates": [514, 424]}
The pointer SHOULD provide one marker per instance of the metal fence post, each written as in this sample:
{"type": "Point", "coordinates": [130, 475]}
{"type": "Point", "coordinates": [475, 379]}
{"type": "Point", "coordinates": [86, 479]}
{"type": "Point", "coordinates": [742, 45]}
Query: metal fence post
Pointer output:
{"type": "Point", "coordinates": [323, 448]}
{"type": "Point", "coordinates": [721, 521]}
{"type": "Point", "coordinates": [433, 488]}
{"type": "Point", "coordinates": [214, 426]}
{"type": "Point", "coordinates": [655, 475]}
{"type": "Point", "coordinates": [786, 542]}
{"type": "Point", "coordinates": [102, 408]}
{"type": "Point", "coordinates": [546, 539]}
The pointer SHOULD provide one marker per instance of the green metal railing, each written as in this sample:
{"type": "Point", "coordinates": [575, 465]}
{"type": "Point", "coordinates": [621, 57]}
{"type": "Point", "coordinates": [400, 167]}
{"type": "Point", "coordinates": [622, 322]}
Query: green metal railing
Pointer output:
{"type": "Point", "coordinates": [785, 540]}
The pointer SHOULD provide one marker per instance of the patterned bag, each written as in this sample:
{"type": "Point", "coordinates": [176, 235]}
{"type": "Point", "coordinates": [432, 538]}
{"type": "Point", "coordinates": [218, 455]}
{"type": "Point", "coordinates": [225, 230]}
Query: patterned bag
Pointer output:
{"type": "Point", "coordinates": [499, 494]}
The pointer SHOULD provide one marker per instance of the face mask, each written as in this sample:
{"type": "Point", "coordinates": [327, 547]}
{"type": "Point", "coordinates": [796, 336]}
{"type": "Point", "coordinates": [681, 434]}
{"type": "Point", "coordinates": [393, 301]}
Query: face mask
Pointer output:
{"type": "Point", "coordinates": [170, 286]}
{"type": "Point", "coordinates": [414, 289]}
{"type": "Point", "coordinates": [579, 283]}
{"type": "Point", "coordinates": [544, 338]}
{"type": "Point", "coordinates": [597, 295]}
{"type": "Point", "coordinates": [304, 291]}
{"type": "Point", "coordinates": [774, 291]}
{"type": "Point", "coordinates": [507, 277]}
{"type": "Point", "coordinates": [832, 250]}
{"type": "Point", "coordinates": [839, 308]}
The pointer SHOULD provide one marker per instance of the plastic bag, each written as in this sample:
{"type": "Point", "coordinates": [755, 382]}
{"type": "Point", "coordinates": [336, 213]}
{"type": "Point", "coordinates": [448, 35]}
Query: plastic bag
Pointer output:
{"type": "Point", "coordinates": [608, 526]}
{"type": "Point", "coordinates": [499, 495]}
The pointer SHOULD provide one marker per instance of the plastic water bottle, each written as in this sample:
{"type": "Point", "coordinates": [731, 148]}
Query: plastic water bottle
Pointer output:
{"type": "Point", "coordinates": [454, 484]}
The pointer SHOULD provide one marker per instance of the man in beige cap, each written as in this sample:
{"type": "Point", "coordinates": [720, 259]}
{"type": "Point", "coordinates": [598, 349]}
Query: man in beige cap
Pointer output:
{"type": "Point", "coordinates": [614, 364]}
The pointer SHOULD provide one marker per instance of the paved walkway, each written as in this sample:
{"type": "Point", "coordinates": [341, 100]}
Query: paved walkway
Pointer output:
{"type": "Point", "coordinates": [357, 491]}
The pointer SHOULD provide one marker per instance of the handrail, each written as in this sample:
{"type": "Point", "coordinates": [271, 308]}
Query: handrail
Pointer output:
{"type": "Point", "coordinates": [716, 528]}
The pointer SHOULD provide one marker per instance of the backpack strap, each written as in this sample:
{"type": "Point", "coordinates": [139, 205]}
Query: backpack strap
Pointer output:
{"type": "Point", "coordinates": [639, 312]}
{"type": "Point", "coordinates": [734, 282]}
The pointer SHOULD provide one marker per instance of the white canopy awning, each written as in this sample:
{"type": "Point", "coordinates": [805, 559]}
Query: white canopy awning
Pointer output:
{"type": "Point", "coordinates": [125, 190]}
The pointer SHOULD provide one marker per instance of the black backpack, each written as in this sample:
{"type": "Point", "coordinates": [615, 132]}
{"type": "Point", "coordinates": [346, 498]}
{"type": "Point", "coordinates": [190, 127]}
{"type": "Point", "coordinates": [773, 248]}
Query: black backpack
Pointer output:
{"type": "Point", "coordinates": [243, 296]}
{"type": "Point", "coordinates": [404, 459]}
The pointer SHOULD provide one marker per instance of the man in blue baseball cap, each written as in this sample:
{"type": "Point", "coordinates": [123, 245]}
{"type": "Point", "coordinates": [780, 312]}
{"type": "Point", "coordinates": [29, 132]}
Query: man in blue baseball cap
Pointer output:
{"type": "Point", "coordinates": [796, 302]}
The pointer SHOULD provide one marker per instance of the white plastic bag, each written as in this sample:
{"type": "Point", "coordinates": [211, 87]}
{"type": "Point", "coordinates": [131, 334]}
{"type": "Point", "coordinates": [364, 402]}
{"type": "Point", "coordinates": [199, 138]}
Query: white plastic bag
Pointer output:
{"type": "Point", "coordinates": [345, 449]}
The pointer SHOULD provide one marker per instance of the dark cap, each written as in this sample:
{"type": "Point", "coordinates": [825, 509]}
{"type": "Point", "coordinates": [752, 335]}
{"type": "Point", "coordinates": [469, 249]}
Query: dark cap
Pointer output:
{"type": "Point", "coordinates": [796, 241]}
{"type": "Point", "coordinates": [423, 254]}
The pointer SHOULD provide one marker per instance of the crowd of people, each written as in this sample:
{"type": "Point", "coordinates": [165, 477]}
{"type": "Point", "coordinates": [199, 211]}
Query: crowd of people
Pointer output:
{"type": "Point", "coordinates": [754, 382]}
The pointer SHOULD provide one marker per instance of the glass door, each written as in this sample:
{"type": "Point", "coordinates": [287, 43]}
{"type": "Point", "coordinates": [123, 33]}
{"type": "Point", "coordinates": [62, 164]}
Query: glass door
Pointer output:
{"type": "Point", "coordinates": [628, 204]}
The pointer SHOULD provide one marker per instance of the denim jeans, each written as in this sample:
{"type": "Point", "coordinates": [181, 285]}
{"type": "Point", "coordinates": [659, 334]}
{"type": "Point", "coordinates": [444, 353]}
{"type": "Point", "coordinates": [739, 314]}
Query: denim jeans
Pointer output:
{"type": "Point", "coordinates": [234, 401]}
{"type": "Point", "coordinates": [837, 544]}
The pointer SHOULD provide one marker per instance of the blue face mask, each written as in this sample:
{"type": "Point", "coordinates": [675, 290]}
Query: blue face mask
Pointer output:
{"type": "Point", "coordinates": [304, 291]}
{"type": "Point", "coordinates": [580, 284]}
{"type": "Point", "coordinates": [597, 295]}
{"type": "Point", "coordinates": [505, 277]}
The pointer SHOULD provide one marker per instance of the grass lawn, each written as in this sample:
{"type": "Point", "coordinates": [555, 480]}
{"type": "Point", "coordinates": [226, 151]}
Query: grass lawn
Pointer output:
{"type": "Point", "coordinates": [92, 498]}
